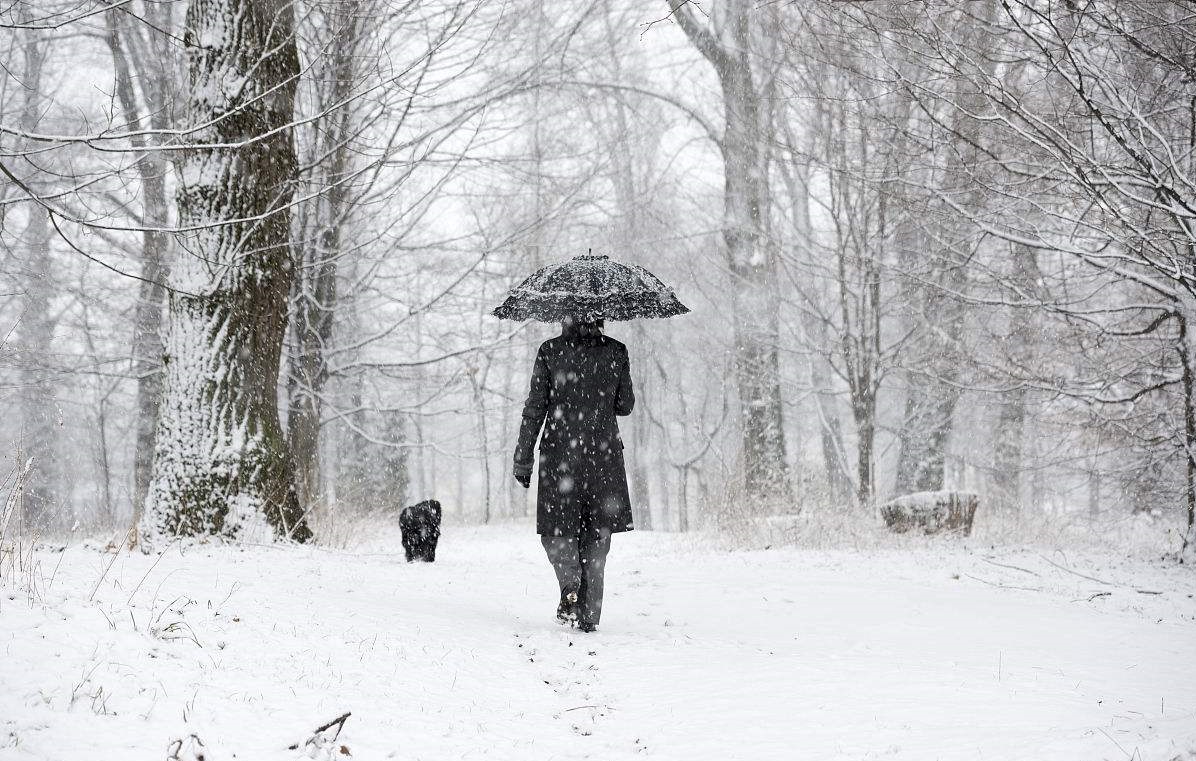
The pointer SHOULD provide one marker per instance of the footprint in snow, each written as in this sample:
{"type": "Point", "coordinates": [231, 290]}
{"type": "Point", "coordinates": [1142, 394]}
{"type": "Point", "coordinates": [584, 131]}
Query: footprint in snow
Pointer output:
{"type": "Point", "coordinates": [567, 666]}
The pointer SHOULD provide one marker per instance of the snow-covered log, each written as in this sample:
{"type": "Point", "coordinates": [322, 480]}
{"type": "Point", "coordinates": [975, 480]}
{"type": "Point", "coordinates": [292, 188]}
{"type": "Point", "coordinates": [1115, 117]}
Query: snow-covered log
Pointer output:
{"type": "Point", "coordinates": [221, 461]}
{"type": "Point", "coordinates": [931, 511]}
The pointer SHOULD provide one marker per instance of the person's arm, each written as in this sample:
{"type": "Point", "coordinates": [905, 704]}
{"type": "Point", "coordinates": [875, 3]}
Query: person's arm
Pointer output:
{"type": "Point", "coordinates": [534, 411]}
{"type": "Point", "coordinates": [625, 395]}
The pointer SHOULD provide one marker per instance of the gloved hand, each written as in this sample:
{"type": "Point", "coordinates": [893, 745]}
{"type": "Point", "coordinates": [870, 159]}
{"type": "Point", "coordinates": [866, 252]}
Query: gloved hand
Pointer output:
{"type": "Point", "coordinates": [524, 476]}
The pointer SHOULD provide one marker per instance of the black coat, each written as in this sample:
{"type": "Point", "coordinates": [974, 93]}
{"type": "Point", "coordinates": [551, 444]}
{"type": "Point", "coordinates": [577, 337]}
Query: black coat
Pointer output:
{"type": "Point", "coordinates": [579, 384]}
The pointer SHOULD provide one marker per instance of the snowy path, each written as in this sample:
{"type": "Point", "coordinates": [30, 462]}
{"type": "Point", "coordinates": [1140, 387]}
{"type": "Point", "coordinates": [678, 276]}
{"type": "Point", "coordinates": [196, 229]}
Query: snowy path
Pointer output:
{"type": "Point", "coordinates": [703, 655]}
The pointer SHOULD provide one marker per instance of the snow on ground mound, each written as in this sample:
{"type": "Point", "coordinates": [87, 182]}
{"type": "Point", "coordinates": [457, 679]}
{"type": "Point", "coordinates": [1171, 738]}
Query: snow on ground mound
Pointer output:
{"type": "Point", "coordinates": [936, 653]}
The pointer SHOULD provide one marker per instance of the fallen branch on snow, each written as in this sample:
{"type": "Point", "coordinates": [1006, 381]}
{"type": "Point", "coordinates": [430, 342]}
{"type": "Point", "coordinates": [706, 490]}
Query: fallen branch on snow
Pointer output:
{"type": "Point", "coordinates": [1014, 567]}
{"type": "Point", "coordinates": [318, 739]}
{"type": "Point", "coordinates": [1002, 586]}
{"type": "Point", "coordinates": [1099, 581]}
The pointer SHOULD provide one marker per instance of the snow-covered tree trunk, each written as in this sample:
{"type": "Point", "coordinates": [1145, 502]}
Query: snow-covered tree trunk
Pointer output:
{"type": "Point", "coordinates": [1009, 435]}
{"type": "Point", "coordinates": [933, 382]}
{"type": "Point", "coordinates": [628, 160]}
{"type": "Point", "coordinates": [152, 111]}
{"type": "Point", "coordinates": [34, 332]}
{"type": "Point", "coordinates": [148, 347]}
{"type": "Point", "coordinates": [757, 364]}
{"type": "Point", "coordinates": [728, 47]}
{"type": "Point", "coordinates": [221, 462]}
{"type": "Point", "coordinates": [32, 339]}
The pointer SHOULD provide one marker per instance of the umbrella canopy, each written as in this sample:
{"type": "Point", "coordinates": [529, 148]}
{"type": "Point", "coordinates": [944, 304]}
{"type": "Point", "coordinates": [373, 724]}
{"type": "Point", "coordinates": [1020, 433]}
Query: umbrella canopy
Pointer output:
{"type": "Point", "coordinates": [590, 288]}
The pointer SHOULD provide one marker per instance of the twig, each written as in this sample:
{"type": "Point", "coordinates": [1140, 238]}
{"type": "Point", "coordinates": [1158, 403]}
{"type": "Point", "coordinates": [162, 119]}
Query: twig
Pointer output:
{"type": "Point", "coordinates": [338, 722]}
{"type": "Point", "coordinates": [1099, 581]}
{"type": "Point", "coordinates": [1123, 750]}
{"type": "Point", "coordinates": [1002, 586]}
{"type": "Point", "coordinates": [57, 565]}
{"type": "Point", "coordinates": [1014, 567]}
{"type": "Point", "coordinates": [17, 475]}
{"type": "Point", "coordinates": [1099, 594]}
{"type": "Point", "coordinates": [1077, 573]}
{"type": "Point", "coordinates": [100, 580]}
{"type": "Point", "coordinates": [145, 575]}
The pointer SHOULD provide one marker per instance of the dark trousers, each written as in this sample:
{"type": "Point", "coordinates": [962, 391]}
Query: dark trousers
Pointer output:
{"type": "Point", "coordinates": [580, 564]}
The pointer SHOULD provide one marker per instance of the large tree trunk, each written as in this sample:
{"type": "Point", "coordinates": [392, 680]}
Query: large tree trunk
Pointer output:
{"type": "Point", "coordinates": [933, 388]}
{"type": "Point", "coordinates": [147, 351]}
{"type": "Point", "coordinates": [221, 461]}
{"type": "Point", "coordinates": [147, 325]}
{"type": "Point", "coordinates": [749, 257]}
{"type": "Point", "coordinates": [754, 305]}
{"type": "Point", "coordinates": [34, 332]}
{"type": "Point", "coordinates": [628, 236]}
{"type": "Point", "coordinates": [38, 438]}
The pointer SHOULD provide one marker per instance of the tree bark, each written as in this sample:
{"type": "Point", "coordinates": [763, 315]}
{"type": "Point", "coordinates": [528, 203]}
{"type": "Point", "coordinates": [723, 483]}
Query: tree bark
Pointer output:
{"type": "Point", "coordinates": [221, 461]}
{"type": "Point", "coordinates": [35, 331]}
{"type": "Point", "coordinates": [1011, 422]}
{"type": "Point", "coordinates": [933, 378]}
{"type": "Point", "coordinates": [151, 295]}
{"type": "Point", "coordinates": [748, 255]}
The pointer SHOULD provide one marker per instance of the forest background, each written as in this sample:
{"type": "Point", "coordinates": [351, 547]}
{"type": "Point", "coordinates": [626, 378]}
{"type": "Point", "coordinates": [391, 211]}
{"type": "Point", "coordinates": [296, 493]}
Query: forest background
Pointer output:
{"type": "Point", "coordinates": [927, 245]}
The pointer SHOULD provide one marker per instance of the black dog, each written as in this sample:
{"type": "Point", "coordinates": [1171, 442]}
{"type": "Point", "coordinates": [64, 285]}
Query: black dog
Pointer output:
{"type": "Point", "coordinates": [420, 524]}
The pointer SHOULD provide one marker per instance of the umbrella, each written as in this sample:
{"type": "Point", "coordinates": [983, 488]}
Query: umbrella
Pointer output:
{"type": "Point", "coordinates": [590, 288]}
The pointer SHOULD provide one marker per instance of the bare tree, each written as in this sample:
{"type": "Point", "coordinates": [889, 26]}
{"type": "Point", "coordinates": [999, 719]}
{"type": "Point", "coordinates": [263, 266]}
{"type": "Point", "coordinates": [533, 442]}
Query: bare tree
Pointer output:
{"type": "Point", "coordinates": [1102, 157]}
{"type": "Point", "coordinates": [35, 331]}
{"type": "Point", "coordinates": [728, 43]}
{"type": "Point", "coordinates": [221, 458]}
{"type": "Point", "coordinates": [340, 29]}
{"type": "Point", "coordinates": [145, 69]}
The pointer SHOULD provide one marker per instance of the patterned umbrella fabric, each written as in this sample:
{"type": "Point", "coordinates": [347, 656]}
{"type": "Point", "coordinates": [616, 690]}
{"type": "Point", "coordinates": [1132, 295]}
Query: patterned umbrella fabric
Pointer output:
{"type": "Point", "coordinates": [590, 288]}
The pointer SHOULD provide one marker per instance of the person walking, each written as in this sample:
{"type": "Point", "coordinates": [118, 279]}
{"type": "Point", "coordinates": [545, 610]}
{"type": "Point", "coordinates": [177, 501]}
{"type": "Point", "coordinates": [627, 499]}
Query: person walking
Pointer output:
{"type": "Point", "coordinates": [581, 382]}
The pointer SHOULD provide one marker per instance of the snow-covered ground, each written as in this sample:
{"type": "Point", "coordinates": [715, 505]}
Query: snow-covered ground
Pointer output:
{"type": "Point", "coordinates": [938, 652]}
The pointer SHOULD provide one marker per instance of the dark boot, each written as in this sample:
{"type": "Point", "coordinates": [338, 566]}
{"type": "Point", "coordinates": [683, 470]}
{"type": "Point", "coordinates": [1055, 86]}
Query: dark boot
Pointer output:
{"type": "Point", "coordinates": [566, 611]}
{"type": "Point", "coordinates": [587, 627]}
